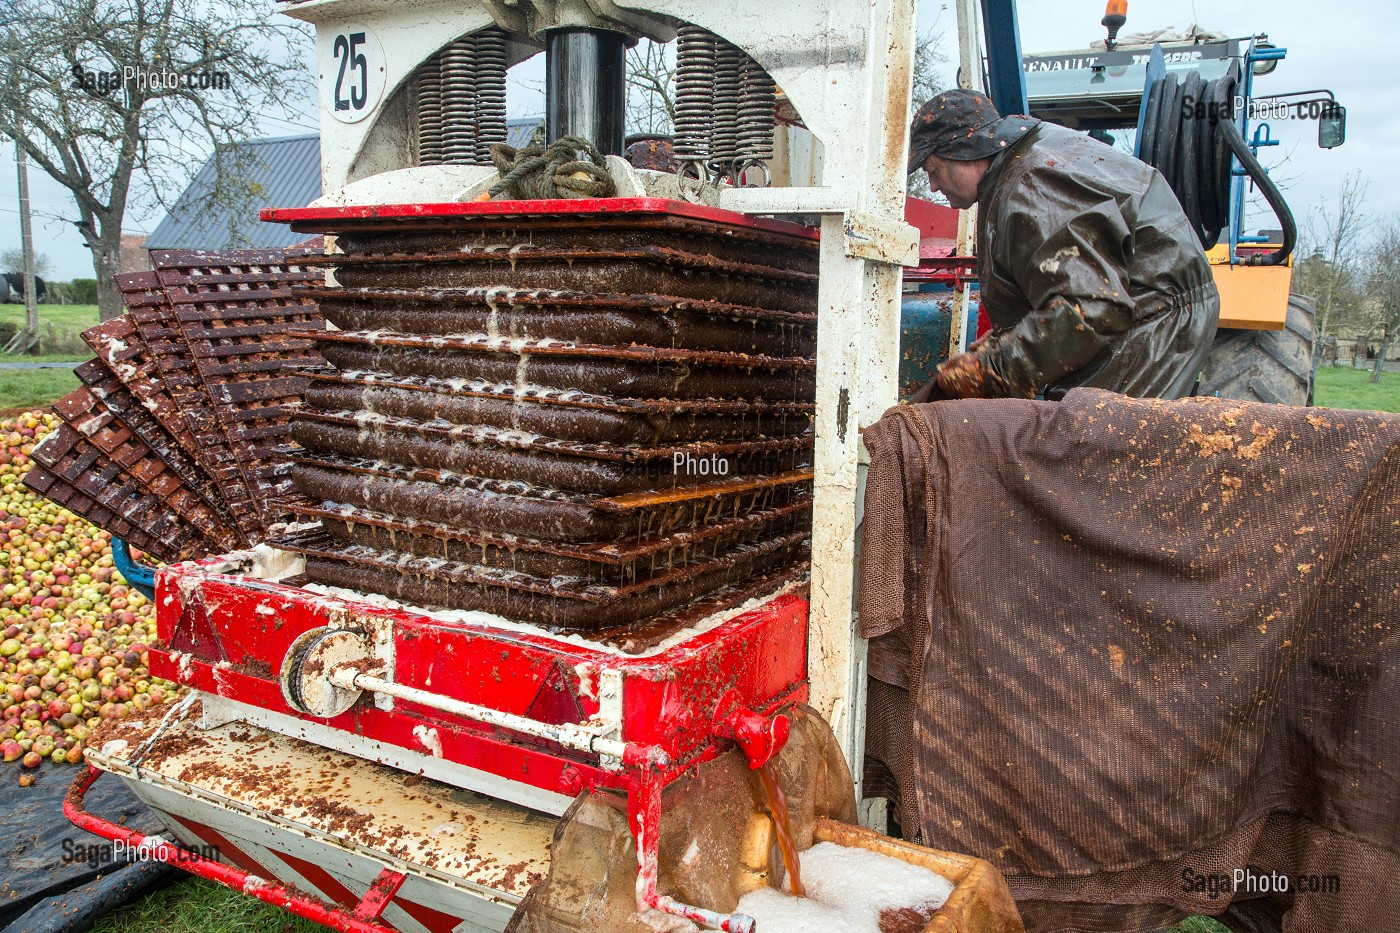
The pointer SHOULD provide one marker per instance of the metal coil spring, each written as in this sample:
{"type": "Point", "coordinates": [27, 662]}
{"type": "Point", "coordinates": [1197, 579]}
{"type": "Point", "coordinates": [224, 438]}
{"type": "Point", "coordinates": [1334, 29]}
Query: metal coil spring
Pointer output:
{"type": "Point", "coordinates": [757, 113]}
{"type": "Point", "coordinates": [724, 129]}
{"type": "Point", "coordinates": [695, 78]}
{"type": "Point", "coordinates": [490, 92]}
{"type": "Point", "coordinates": [459, 102]}
{"type": "Point", "coordinates": [429, 112]}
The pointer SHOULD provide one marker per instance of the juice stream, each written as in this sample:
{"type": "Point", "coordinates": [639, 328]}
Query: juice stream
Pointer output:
{"type": "Point", "coordinates": [777, 805]}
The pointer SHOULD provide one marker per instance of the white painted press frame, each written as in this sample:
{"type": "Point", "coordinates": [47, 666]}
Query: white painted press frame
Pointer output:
{"type": "Point", "coordinates": [969, 78]}
{"type": "Point", "coordinates": [221, 710]}
{"type": "Point", "coordinates": [846, 67]}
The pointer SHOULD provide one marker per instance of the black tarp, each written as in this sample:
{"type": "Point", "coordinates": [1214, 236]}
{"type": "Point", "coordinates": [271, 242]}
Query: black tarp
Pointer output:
{"type": "Point", "coordinates": [54, 877]}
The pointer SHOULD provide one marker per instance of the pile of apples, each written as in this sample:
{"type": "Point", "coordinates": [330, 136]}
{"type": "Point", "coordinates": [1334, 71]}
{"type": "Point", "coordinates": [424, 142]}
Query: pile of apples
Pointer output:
{"type": "Point", "coordinates": [73, 646]}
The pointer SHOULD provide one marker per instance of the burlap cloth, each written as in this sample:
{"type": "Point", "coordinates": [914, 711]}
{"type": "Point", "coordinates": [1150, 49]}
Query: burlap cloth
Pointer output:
{"type": "Point", "coordinates": [1122, 647]}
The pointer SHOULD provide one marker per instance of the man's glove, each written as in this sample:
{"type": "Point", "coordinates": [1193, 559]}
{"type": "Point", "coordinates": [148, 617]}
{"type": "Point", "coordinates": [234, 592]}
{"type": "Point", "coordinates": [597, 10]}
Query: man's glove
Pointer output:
{"type": "Point", "coordinates": [962, 376]}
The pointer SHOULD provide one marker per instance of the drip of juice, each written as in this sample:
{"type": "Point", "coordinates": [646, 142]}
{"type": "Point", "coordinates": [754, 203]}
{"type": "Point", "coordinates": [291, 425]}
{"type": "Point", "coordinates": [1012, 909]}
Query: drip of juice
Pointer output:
{"type": "Point", "coordinates": [777, 805]}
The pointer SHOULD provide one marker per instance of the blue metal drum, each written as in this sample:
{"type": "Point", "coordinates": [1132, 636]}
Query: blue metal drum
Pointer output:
{"type": "Point", "coordinates": [925, 325]}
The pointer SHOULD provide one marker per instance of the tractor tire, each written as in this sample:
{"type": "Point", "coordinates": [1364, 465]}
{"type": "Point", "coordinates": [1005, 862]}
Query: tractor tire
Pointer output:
{"type": "Point", "coordinates": [1273, 366]}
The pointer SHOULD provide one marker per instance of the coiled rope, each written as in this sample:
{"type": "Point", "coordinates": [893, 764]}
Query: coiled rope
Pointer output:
{"type": "Point", "coordinates": [542, 173]}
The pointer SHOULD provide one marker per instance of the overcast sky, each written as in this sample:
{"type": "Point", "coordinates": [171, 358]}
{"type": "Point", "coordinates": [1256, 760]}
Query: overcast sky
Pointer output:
{"type": "Point", "coordinates": [1344, 49]}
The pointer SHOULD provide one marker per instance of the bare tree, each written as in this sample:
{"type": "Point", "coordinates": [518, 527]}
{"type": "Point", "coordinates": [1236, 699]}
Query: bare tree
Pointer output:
{"type": "Point", "coordinates": [1332, 242]}
{"type": "Point", "coordinates": [930, 59]}
{"type": "Point", "coordinates": [651, 87]}
{"type": "Point", "coordinates": [1383, 287]}
{"type": "Point", "coordinates": [12, 260]}
{"type": "Point", "coordinates": [121, 100]}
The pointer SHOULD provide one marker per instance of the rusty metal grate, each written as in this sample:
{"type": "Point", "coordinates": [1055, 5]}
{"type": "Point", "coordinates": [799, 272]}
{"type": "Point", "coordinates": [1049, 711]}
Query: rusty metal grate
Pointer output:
{"type": "Point", "coordinates": [123, 405]}
{"type": "Point", "coordinates": [551, 601]}
{"type": "Point", "coordinates": [80, 476]}
{"type": "Point", "coordinates": [499, 296]}
{"type": "Point", "coordinates": [520, 257]}
{"type": "Point", "coordinates": [543, 513]}
{"type": "Point", "coordinates": [119, 344]}
{"type": "Point", "coordinates": [548, 395]}
{"type": "Point", "coordinates": [524, 346]}
{"type": "Point", "coordinates": [175, 442]}
{"type": "Point", "coordinates": [235, 311]}
{"type": "Point", "coordinates": [602, 255]}
{"type": "Point", "coordinates": [492, 436]}
{"type": "Point", "coordinates": [615, 563]}
{"type": "Point", "coordinates": [600, 477]}
{"type": "Point", "coordinates": [80, 503]}
{"type": "Point", "coordinates": [527, 410]}
{"type": "Point", "coordinates": [640, 378]}
{"type": "Point", "coordinates": [89, 416]}
{"type": "Point", "coordinates": [174, 367]}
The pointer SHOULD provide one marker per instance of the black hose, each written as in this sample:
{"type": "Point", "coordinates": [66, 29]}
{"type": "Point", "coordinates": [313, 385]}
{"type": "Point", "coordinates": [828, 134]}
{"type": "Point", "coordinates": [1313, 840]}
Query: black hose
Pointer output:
{"type": "Point", "coordinates": [1271, 194]}
{"type": "Point", "coordinates": [1189, 135]}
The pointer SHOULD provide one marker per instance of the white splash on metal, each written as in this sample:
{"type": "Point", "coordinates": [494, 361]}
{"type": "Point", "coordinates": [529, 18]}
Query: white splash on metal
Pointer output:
{"type": "Point", "coordinates": [587, 675]}
{"type": "Point", "coordinates": [428, 737]}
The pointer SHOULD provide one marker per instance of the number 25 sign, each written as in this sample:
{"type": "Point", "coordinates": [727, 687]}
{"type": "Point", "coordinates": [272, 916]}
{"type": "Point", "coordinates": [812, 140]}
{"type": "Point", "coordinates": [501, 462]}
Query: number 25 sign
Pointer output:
{"type": "Point", "coordinates": [351, 72]}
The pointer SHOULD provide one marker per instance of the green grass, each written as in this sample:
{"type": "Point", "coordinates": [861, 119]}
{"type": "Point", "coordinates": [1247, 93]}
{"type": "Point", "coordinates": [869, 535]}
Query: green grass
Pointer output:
{"type": "Point", "coordinates": [73, 316]}
{"type": "Point", "coordinates": [1341, 387]}
{"type": "Point", "coordinates": [1201, 925]}
{"type": "Point", "coordinates": [34, 388]}
{"type": "Point", "coordinates": [60, 329]}
{"type": "Point", "coordinates": [199, 906]}
{"type": "Point", "coordinates": [45, 357]}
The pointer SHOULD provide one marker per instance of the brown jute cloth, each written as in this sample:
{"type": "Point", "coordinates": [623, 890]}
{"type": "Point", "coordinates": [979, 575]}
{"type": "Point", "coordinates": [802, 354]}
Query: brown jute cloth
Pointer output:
{"type": "Point", "coordinates": [1123, 647]}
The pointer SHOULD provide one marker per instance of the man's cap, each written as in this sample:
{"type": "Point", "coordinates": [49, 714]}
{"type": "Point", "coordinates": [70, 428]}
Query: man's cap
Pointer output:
{"type": "Point", "coordinates": [962, 125]}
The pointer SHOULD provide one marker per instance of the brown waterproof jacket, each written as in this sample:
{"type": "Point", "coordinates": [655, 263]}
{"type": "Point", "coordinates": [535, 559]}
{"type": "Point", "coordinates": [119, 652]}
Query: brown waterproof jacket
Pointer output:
{"type": "Point", "coordinates": [1090, 273]}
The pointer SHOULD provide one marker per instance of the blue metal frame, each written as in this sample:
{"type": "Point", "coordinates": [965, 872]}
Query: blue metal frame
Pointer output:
{"type": "Point", "coordinates": [1262, 137]}
{"type": "Point", "coordinates": [1156, 71]}
{"type": "Point", "coordinates": [138, 575]}
{"type": "Point", "coordinates": [1006, 76]}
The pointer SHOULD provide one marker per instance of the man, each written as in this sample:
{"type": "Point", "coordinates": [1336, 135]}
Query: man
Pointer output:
{"type": "Point", "coordinates": [1089, 270]}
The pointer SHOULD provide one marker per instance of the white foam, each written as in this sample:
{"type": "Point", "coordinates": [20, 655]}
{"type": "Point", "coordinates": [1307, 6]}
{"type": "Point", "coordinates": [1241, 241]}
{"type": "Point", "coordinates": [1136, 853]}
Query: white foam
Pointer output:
{"type": "Point", "coordinates": [270, 563]}
{"type": "Point", "coordinates": [261, 562]}
{"type": "Point", "coordinates": [847, 889]}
